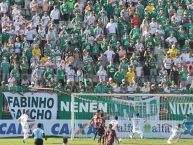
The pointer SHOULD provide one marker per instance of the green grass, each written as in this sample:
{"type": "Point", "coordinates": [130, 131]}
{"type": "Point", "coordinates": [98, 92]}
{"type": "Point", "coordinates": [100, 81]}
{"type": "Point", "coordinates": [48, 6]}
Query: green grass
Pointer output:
{"type": "Point", "coordinates": [58, 141]}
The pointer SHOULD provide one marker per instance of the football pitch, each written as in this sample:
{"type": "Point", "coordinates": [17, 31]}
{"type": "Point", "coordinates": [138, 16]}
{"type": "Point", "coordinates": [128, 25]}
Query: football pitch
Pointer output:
{"type": "Point", "coordinates": [58, 141]}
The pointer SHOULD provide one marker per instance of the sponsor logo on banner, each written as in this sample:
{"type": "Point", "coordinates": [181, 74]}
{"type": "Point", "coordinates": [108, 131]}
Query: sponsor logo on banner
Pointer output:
{"type": "Point", "coordinates": [41, 105]}
{"type": "Point", "coordinates": [152, 129]}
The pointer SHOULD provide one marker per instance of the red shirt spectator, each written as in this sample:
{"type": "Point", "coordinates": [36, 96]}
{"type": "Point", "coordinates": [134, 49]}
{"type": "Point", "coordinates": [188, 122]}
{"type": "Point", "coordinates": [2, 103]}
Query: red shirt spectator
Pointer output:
{"type": "Point", "coordinates": [135, 20]}
{"type": "Point", "coordinates": [190, 69]}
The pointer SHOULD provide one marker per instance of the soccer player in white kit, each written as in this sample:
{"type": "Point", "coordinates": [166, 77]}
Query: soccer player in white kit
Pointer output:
{"type": "Point", "coordinates": [24, 120]}
{"type": "Point", "coordinates": [176, 133]}
{"type": "Point", "coordinates": [115, 126]}
{"type": "Point", "coordinates": [137, 123]}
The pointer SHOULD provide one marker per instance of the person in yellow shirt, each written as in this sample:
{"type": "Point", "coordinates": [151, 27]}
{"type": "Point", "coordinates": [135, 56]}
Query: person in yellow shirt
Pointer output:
{"type": "Point", "coordinates": [173, 51]}
{"type": "Point", "coordinates": [150, 8]}
{"type": "Point", "coordinates": [36, 52]}
{"type": "Point", "coordinates": [130, 75]}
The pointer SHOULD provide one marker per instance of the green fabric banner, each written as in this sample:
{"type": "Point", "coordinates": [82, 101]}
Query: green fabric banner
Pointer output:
{"type": "Point", "coordinates": [86, 106]}
{"type": "Point", "coordinates": [175, 108]}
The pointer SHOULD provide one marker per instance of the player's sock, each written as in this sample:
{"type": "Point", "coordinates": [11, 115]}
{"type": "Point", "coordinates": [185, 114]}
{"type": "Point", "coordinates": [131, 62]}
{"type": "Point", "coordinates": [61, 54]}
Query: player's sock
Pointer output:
{"type": "Point", "coordinates": [131, 136]}
{"type": "Point", "coordinates": [169, 142]}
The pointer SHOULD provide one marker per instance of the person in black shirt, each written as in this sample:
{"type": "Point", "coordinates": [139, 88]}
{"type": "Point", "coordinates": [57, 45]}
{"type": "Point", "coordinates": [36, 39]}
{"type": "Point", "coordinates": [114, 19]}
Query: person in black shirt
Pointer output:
{"type": "Point", "coordinates": [146, 72]}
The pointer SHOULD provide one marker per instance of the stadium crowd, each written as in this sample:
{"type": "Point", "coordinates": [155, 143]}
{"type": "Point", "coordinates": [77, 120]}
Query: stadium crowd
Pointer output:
{"type": "Point", "coordinates": [101, 46]}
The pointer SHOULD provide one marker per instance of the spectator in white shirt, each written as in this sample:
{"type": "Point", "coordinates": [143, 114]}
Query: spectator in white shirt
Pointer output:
{"type": "Point", "coordinates": [90, 19]}
{"type": "Point", "coordinates": [15, 12]}
{"type": "Point", "coordinates": [45, 19]}
{"type": "Point", "coordinates": [111, 27]}
{"type": "Point", "coordinates": [25, 81]}
{"type": "Point", "coordinates": [70, 75]}
{"type": "Point", "coordinates": [36, 19]}
{"type": "Point", "coordinates": [138, 45]}
{"type": "Point", "coordinates": [55, 15]}
{"type": "Point", "coordinates": [176, 18]}
{"type": "Point", "coordinates": [166, 89]}
{"type": "Point", "coordinates": [102, 74]}
{"type": "Point", "coordinates": [145, 88]}
{"type": "Point", "coordinates": [3, 7]}
{"type": "Point", "coordinates": [11, 81]}
{"type": "Point", "coordinates": [34, 7]}
{"type": "Point", "coordinates": [98, 30]}
{"type": "Point", "coordinates": [153, 26]}
{"type": "Point", "coordinates": [171, 40]}
{"type": "Point", "coordinates": [139, 70]}
{"type": "Point", "coordinates": [109, 53]}
{"type": "Point", "coordinates": [30, 34]}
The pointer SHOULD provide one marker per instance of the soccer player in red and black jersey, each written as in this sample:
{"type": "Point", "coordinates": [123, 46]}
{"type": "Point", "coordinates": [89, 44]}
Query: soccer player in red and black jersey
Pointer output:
{"type": "Point", "coordinates": [110, 136]}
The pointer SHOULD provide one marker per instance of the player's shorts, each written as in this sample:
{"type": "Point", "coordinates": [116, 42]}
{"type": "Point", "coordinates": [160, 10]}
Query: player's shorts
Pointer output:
{"type": "Point", "coordinates": [137, 131]}
{"type": "Point", "coordinates": [25, 130]}
{"type": "Point", "coordinates": [38, 142]}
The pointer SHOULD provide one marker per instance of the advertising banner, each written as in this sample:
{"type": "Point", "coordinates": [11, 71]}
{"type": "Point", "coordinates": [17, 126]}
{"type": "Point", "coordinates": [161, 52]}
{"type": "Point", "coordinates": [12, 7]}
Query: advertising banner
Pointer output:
{"type": "Point", "coordinates": [86, 106]}
{"type": "Point", "coordinates": [152, 129]}
{"type": "Point", "coordinates": [175, 108]}
{"type": "Point", "coordinates": [41, 105]}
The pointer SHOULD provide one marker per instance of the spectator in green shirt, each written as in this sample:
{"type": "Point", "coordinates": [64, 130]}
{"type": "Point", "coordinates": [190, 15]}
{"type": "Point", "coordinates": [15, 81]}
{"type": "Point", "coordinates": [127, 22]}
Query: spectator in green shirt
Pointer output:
{"type": "Point", "coordinates": [5, 67]}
